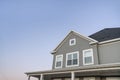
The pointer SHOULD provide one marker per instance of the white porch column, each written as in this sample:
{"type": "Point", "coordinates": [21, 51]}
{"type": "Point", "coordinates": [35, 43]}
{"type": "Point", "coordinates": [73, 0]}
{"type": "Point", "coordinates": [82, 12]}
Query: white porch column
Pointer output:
{"type": "Point", "coordinates": [41, 77]}
{"type": "Point", "coordinates": [28, 77]}
{"type": "Point", "coordinates": [72, 75]}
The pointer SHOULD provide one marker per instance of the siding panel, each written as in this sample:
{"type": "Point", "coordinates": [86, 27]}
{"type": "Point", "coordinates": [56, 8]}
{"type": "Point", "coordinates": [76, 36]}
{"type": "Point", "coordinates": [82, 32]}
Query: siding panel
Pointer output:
{"type": "Point", "coordinates": [109, 53]}
{"type": "Point", "coordinates": [81, 44]}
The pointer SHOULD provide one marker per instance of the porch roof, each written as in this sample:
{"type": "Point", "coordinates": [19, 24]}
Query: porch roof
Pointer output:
{"type": "Point", "coordinates": [103, 67]}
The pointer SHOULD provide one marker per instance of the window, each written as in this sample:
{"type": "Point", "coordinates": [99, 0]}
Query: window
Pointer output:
{"type": "Point", "coordinates": [72, 59]}
{"type": "Point", "coordinates": [72, 42]}
{"type": "Point", "coordinates": [58, 62]}
{"type": "Point", "coordinates": [88, 57]}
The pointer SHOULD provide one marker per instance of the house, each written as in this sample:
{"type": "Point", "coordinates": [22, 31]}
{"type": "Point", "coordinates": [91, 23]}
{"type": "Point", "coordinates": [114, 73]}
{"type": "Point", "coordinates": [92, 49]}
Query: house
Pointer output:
{"type": "Point", "coordinates": [77, 57]}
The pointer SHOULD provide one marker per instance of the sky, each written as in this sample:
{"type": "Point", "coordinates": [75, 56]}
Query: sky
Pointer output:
{"type": "Point", "coordinates": [31, 29]}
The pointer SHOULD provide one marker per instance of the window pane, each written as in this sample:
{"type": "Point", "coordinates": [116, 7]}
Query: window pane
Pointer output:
{"type": "Point", "coordinates": [88, 60]}
{"type": "Point", "coordinates": [88, 53]}
{"type": "Point", "coordinates": [72, 41]}
{"type": "Point", "coordinates": [75, 56]}
{"type": "Point", "coordinates": [69, 57]}
{"type": "Point", "coordinates": [72, 59]}
{"type": "Point", "coordinates": [69, 62]}
{"type": "Point", "coordinates": [58, 64]}
{"type": "Point", "coordinates": [75, 61]}
{"type": "Point", "coordinates": [59, 58]}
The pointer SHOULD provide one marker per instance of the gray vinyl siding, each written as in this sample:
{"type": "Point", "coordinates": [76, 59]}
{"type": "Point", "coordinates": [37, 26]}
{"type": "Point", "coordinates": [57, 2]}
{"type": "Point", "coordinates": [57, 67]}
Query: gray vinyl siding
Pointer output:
{"type": "Point", "coordinates": [81, 44]}
{"type": "Point", "coordinates": [109, 53]}
{"type": "Point", "coordinates": [102, 53]}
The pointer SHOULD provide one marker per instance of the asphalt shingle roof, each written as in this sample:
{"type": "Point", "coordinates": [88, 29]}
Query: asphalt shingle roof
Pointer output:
{"type": "Point", "coordinates": [106, 34]}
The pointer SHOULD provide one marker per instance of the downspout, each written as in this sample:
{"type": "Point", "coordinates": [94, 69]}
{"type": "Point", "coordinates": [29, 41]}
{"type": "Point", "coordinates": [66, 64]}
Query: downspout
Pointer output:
{"type": "Point", "coordinates": [97, 49]}
{"type": "Point", "coordinates": [97, 45]}
{"type": "Point", "coordinates": [29, 77]}
{"type": "Point", "coordinates": [53, 62]}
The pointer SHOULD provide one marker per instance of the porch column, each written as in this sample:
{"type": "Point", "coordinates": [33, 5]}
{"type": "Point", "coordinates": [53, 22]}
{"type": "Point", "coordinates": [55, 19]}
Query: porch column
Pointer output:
{"type": "Point", "coordinates": [41, 77]}
{"type": "Point", "coordinates": [72, 75]}
{"type": "Point", "coordinates": [28, 77]}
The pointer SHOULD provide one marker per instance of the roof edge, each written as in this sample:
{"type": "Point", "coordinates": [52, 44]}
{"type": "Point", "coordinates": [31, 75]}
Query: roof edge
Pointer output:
{"type": "Point", "coordinates": [54, 50]}
{"type": "Point", "coordinates": [72, 31]}
{"type": "Point", "coordinates": [109, 41]}
{"type": "Point", "coordinates": [86, 37]}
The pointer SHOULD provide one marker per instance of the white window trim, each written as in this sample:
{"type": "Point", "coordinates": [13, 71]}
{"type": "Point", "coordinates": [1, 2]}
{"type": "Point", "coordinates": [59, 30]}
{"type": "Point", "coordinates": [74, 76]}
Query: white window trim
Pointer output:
{"type": "Point", "coordinates": [84, 57]}
{"type": "Point", "coordinates": [73, 43]}
{"type": "Point", "coordinates": [61, 61]}
{"type": "Point", "coordinates": [67, 59]}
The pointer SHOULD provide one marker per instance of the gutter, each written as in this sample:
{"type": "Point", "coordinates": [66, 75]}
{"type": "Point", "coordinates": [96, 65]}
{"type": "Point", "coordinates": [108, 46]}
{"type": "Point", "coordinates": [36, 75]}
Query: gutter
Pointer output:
{"type": "Point", "coordinates": [112, 66]}
{"type": "Point", "coordinates": [109, 41]}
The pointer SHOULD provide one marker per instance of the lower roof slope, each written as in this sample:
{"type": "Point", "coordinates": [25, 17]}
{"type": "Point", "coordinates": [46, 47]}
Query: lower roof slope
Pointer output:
{"type": "Point", "coordinates": [106, 34]}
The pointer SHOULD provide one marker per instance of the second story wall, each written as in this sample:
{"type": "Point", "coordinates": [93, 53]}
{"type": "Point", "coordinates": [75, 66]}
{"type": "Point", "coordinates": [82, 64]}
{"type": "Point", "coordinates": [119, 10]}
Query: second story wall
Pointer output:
{"type": "Point", "coordinates": [81, 44]}
{"type": "Point", "coordinates": [109, 52]}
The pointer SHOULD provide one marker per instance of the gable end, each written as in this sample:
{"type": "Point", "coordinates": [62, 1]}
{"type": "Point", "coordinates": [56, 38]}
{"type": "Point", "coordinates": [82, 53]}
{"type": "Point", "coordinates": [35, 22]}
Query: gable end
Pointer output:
{"type": "Point", "coordinates": [75, 33]}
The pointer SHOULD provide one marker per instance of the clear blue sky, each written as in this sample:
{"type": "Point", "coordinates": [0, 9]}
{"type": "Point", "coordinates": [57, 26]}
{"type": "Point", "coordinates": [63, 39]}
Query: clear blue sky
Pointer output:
{"type": "Point", "coordinates": [30, 29]}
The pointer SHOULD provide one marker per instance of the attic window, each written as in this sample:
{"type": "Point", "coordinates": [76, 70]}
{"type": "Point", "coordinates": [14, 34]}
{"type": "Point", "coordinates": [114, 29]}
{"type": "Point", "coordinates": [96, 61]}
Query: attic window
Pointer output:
{"type": "Point", "coordinates": [72, 42]}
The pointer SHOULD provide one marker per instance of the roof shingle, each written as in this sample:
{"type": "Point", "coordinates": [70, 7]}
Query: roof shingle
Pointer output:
{"type": "Point", "coordinates": [106, 34]}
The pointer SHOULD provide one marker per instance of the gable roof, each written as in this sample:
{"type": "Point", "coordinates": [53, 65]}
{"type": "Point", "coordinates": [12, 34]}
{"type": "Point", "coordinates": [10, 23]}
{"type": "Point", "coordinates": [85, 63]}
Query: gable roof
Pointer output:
{"type": "Point", "coordinates": [76, 33]}
{"type": "Point", "coordinates": [106, 34]}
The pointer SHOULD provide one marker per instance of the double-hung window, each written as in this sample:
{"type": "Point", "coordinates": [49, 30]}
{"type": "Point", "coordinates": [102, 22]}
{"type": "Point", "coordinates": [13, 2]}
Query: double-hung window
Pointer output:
{"type": "Point", "coordinates": [58, 61]}
{"type": "Point", "coordinates": [72, 59]}
{"type": "Point", "coordinates": [88, 57]}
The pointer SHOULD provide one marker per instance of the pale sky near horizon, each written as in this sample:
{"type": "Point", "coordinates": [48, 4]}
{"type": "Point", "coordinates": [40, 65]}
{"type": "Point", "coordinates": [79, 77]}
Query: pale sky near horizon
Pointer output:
{"type": "Point", "coordinates": [31, 29]}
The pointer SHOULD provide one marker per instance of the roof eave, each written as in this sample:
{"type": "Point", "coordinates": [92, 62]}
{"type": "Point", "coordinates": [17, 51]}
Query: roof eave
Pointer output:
{"type": "Point", "coordinates": [52, 52]}
{"type": "Point", "coordinates": [92, 43]}
{"type": "Point", "coordinates": [96, 67]}
{"type": "Point", "coordinates": [109, 41]}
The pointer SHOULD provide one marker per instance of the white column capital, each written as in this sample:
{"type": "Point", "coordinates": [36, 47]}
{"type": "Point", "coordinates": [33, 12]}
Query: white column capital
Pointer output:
{"type": "Point", "coordinates": [29, 77]}
{"type": "Point", "coordinates": [41, 76]}
{"type": "Point", "coordinates": [72, 72]}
